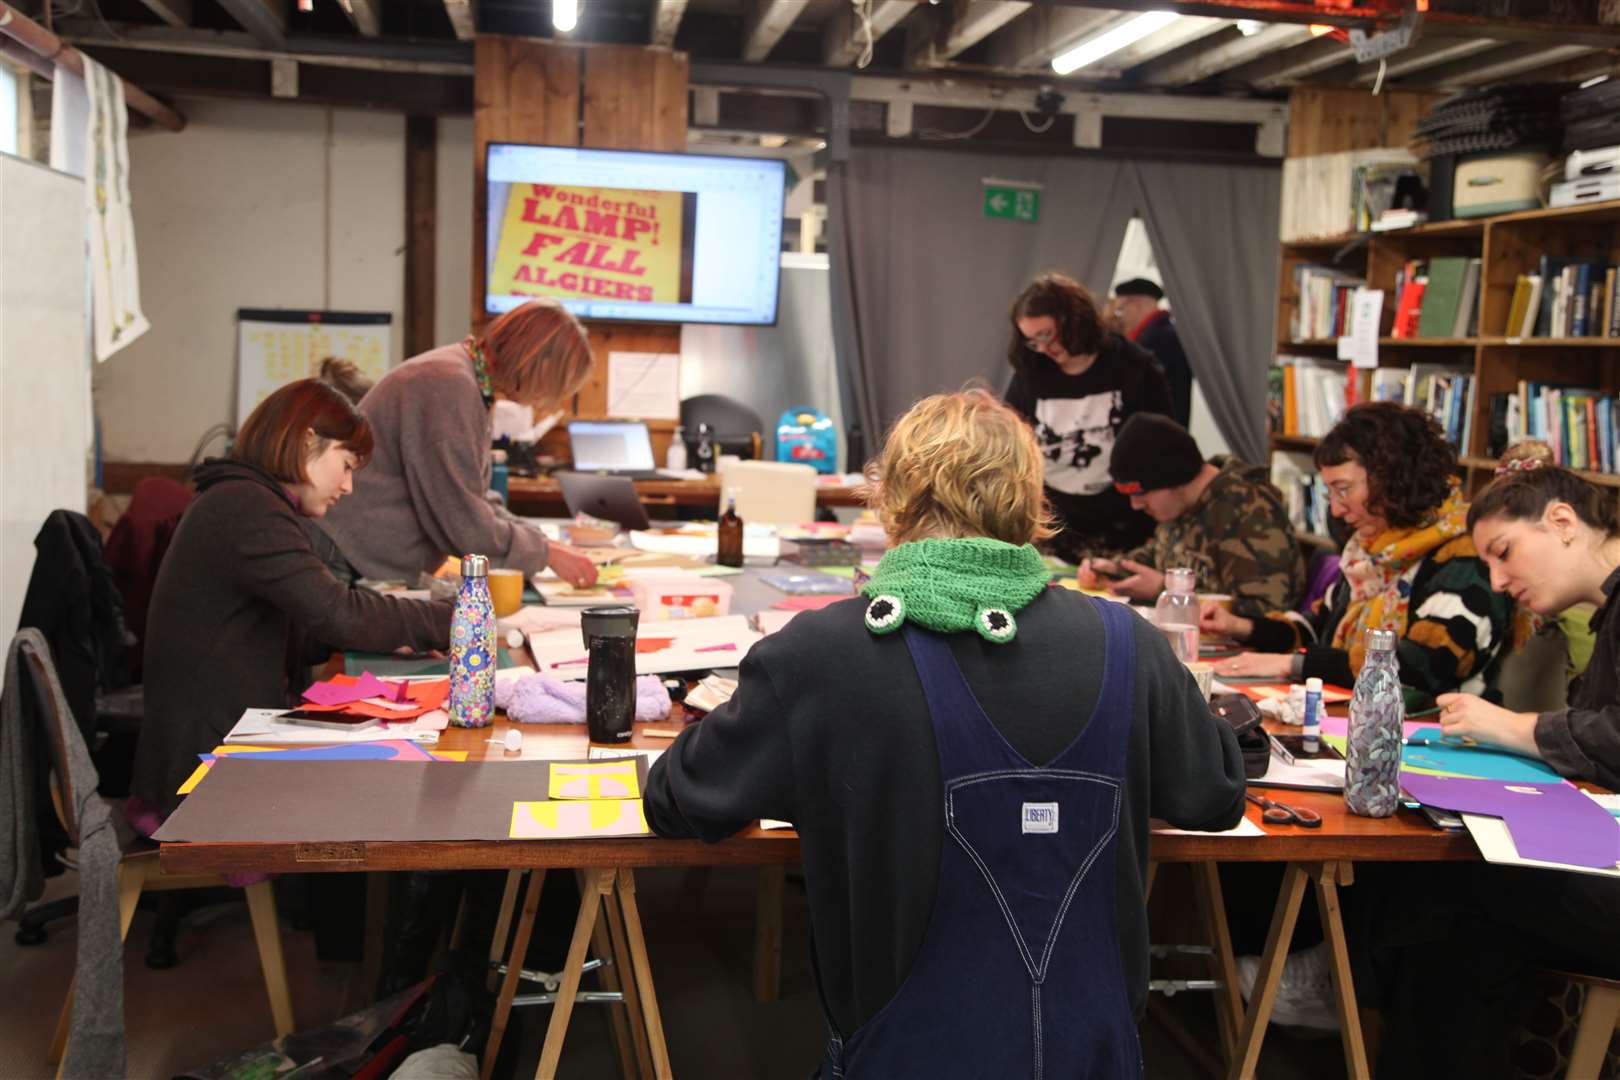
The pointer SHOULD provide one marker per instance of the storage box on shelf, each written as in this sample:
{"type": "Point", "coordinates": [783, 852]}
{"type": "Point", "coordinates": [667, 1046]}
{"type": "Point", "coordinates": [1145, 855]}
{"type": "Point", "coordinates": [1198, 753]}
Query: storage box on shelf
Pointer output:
{"type": "Point", "coordinates": [1494, 361]}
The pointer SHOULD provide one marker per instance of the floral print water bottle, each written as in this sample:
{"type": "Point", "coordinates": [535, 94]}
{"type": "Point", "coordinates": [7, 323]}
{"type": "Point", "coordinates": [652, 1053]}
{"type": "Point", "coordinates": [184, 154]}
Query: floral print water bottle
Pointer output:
{"type": "Point", "coordinates": [1372, 772]}
{"type": "Point", "coordinates": [472, 648]}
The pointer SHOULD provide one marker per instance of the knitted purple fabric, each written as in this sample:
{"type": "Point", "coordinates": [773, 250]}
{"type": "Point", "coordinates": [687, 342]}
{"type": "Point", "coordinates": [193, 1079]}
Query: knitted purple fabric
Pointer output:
{"type": "Point", "coordinates": [535, 699]}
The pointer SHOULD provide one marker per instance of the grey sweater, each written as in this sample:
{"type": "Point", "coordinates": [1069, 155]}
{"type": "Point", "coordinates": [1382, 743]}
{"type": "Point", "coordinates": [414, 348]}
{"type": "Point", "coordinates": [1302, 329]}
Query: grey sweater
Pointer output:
{"type": "Point", "coordinates": [422, 496]}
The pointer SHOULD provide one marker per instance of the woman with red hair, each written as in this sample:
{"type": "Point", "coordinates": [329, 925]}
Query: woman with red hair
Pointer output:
{"type": "Point", "coordinates": [424, 497]}
{"type": "Point", "coordinates": [243, 605]}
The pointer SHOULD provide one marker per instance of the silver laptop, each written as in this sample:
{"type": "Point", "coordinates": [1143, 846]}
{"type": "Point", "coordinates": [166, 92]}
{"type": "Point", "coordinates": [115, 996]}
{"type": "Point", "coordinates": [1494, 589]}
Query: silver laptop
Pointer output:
{"type": "Point", "coordinates": [612, 448]}
{"type": "Point", "coordinates": [610, 498]}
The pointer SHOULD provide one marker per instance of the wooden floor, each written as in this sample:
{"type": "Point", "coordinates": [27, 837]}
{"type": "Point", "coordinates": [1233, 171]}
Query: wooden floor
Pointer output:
{"type": "Point", "coordinates": [702, 962]}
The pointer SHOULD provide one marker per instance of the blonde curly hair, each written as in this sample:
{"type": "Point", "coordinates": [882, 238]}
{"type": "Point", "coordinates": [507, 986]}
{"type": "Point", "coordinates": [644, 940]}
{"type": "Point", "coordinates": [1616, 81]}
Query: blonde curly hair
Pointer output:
{"type": "Point", "coordinates": [960, 465]}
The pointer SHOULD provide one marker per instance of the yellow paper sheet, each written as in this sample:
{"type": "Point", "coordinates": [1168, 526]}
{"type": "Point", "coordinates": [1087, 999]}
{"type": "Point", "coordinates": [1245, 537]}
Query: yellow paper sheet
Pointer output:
{"type": "Point", "coordinates": [562, 819]}
{"type": "Point", "coordinates": [594, 780]}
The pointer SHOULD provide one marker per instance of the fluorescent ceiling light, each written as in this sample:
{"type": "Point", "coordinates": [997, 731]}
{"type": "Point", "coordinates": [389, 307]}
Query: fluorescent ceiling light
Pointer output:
{"type": "Point", "coordinates": [564, 15]}
{"type": "Point", "coordinates": [1112, 41]}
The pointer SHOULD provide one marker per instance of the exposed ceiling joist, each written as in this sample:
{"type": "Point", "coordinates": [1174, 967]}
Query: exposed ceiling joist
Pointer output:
{"type": "Point", "coordinates": [1448, 23]}
{"type": "Point", "coordinates": [767, 23]}
{"type": "Point", "coordinates": [266, 20]}
{"type": "Point", "coordinates": [1183, 31]}
{"type": "Point", "coordinates": [844, 37]}
{"type": "Point", "coordinates": [971, 21]}
{"type": "Point", "coordinates": [1427, 53]}
{"type": "Point", "coordinates": [461, 18]}
{"type": "Point", "coordinates": [1579, 71]}
{"type": "Point", "coordinates": [1032, 41]}
{"type": "Point", "coordinates": [1292, 65]}
{"type": "Point", "coordinates": [1501, 63]}
{"type": "Point", "coordinates": [667, 20]}
{"type": "Point", "coordinates": [401, 57]}
{"type": "Point", "coordinates": [365, 15]}
{"type": "Point", "coordinates": [176, 13]}
{"type": "Point", "coordinates": [1198, 65]}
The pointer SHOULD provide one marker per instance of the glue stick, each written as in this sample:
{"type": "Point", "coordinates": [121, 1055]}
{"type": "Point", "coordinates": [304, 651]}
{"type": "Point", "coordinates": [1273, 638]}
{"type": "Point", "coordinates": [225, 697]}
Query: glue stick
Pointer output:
{"type": "Point", "coordinates": [1313, 713]}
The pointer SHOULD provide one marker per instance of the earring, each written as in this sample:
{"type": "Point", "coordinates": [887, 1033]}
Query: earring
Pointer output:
{"type": "Point", "coordinates": [1568, 540]}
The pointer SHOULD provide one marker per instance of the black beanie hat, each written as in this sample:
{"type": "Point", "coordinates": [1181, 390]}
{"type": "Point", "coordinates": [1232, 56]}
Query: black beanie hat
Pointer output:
{"type": "Point", "coordinates": [1139, 287]}
{"type": "Point", "coordinates": [1152, 452]}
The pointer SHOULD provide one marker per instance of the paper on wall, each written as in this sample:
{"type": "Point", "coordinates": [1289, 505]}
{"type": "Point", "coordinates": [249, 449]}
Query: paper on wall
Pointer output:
{"type": "Point", "coordinates": [644, 386]}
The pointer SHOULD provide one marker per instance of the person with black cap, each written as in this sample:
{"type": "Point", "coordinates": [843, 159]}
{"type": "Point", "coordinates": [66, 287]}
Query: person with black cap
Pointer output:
{"type": "Point", "coordinates": [1221, 517]}
{"type": "Point", "coordinates": [1136, 308]}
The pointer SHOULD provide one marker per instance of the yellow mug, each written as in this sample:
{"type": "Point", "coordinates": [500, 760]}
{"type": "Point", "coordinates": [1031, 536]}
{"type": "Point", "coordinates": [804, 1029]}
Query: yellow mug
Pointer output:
{"type": "Point", "coordinates": [505, 591]}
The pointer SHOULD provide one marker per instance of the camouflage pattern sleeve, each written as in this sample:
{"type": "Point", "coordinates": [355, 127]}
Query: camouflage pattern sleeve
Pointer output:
{"type": "Point", "coordinates": [1255, 553]}
{"type": "Point", "coordinates": [1456, 625]}
{"type": "Point", "coordinates": [1149, 553]}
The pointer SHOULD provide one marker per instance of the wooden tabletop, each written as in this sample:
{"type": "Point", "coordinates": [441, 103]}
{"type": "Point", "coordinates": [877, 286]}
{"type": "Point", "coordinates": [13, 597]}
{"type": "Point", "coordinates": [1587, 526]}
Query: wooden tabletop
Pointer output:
{"type": "Point", "coordinates": [542, 492]}
{"type": "Point", "coordinates": [1406, 837]}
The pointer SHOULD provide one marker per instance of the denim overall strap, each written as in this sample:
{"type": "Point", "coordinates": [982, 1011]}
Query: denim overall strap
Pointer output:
{"type": "Point", "coordinates": [1019, 972]}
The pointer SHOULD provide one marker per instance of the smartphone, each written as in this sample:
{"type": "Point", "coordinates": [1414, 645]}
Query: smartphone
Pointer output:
{"type": "Point", "coordinates": [334, 720]}
{"type": "Point", "coordinates": [1292, 748]}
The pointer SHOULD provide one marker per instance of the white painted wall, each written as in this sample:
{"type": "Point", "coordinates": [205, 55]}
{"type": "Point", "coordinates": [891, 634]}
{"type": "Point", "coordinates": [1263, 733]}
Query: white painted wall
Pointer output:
{"type": "Point", "coordinates": [44, 365]}
{"type": "Point", "coordinates": [252, 205]}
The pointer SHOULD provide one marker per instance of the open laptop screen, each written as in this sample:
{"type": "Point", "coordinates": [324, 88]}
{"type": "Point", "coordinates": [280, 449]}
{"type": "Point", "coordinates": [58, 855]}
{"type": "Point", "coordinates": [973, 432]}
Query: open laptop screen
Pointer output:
{"type": "Point", "coordinates": [610, 445]}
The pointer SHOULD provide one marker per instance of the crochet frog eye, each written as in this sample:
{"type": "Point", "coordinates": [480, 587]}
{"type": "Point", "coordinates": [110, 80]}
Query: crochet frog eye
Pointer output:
{"type": "Point", "coordinates": [995, 624]}
{"type": "Point", "coordinates": [884, 614]}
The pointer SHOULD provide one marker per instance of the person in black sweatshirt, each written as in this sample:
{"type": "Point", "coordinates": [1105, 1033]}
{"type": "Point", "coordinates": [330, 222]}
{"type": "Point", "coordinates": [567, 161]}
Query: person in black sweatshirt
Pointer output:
{"type": "Point", "coordinates": [971, 759]}
{"type": "Point", "coordinates": [1078, 384]}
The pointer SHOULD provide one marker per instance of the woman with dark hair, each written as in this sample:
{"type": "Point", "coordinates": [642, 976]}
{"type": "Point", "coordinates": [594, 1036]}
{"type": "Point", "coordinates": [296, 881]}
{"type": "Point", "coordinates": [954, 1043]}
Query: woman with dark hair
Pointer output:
{"type": "Point", "coordinates": [1550, 540]}
{"type": "Point", "coordinates": [1077, 384]}
{"type": "Point", "coordinates": [425, 496]}
{"type": "Point", "coordinates": [1409, 566]}
{"type": "Point", "coordinates": [242, 598]}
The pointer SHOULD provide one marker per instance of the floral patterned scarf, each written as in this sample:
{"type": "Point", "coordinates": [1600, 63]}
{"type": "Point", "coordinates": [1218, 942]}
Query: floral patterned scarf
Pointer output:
{"type": "Point", "coordinates": [1380, 574]}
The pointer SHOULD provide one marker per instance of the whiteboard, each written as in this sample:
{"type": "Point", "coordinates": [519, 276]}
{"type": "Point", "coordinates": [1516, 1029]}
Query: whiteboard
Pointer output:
{"type": "Point", "coordinates": [275, 347]}
{"type": "Point", "coordinates": [44, 364]}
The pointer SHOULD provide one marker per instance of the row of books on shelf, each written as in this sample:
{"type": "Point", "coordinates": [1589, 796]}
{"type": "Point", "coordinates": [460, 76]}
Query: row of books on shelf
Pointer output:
{"type": "Point", "coordinates": [1324, 302]}
{"type": "Point", "coordinates": [1437, 298]}
{"type": "Point", "coordinates": [1566, 298]}
{"type": "Point", "coordinates": [1308, 395]}
{"type": "Point", "coordinates": [1304, 494]}
{"type": "Point", "coordinates": [1579, 423]}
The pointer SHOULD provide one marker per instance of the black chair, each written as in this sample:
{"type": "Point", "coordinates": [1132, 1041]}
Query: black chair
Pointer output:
{"type": "Point", "coordinates": [734, 427]}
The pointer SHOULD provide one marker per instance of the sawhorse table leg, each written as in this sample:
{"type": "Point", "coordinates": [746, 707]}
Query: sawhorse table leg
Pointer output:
{"type": "Point", "coordinates": [1326, 877]}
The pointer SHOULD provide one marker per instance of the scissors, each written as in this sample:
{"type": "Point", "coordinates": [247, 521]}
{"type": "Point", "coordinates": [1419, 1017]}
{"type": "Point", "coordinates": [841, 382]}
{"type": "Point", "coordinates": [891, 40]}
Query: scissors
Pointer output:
{"type": "Point", "coordinates": [1276, 813]}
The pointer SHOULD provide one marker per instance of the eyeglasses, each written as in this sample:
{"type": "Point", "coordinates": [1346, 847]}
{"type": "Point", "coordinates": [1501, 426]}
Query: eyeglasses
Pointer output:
{"type": "Point", "coordinates": [1041, 340]}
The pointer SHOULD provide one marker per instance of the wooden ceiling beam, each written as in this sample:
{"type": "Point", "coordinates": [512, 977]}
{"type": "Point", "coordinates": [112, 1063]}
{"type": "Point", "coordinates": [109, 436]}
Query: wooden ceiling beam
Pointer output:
{"type": "Point", "coordinates": [1292, 65]}
{"type": "Point", "coordinates": [1428, 53]}
{"type": "Point", "coordinates": [1183, 31]}
{"type": "Point", "coordinates": [177, 13]}
{"type": "Point", "coordinates": [1500, 63]}
{"type": "Point", "coordinates": [266, 20]}
{"type": "Point", "coordinates": [766, 24]}
{"type": "Point", "coordinates": [843, 38]}
{"type": "Point", "coordinates": [970, 22]}
{"type": "Point", "coordinates": [364, 14]}
{"type": "Point", "coordinates": [667, 15]}
{"type": "Point", "coordinates": [1197, 65]}
{"type": "Point", "coordinates": [1030, 43]}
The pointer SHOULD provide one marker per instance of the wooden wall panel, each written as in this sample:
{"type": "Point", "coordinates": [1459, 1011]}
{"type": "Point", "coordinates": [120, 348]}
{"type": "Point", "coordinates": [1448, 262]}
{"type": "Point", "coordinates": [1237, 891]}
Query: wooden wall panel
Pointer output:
{"type": "Point", "coordinates": [618, 97]}
{"type": "Point", "coordinates": [1332, 119]}
{"type": "Point", "coordinates": [524, 91]}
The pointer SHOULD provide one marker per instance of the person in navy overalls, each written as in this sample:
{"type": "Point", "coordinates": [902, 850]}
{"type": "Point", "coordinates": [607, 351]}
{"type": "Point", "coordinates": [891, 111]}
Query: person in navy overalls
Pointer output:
{"type": "Point", "coordinates": [971, 759]}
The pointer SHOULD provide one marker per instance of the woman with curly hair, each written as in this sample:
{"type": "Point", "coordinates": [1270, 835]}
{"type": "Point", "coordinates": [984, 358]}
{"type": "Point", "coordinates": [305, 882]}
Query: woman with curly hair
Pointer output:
{"type": "Point", "coordinates": [1409, 566]}
{"type": "Point", "coordinates": [1077, 384]}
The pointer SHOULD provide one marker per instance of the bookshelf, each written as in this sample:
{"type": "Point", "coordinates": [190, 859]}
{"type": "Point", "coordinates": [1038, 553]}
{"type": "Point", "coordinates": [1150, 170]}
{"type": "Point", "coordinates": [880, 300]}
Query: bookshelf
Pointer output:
{"type": "Point", "coordinates": [1508, 246]}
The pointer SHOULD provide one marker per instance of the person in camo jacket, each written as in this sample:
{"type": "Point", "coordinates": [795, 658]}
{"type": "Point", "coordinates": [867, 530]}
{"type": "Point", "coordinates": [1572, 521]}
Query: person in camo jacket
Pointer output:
{"type": "Point", "coordinates": [1220, 517]}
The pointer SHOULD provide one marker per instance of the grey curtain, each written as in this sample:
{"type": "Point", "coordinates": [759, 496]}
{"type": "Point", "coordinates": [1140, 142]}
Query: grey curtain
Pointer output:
{"type": "Point", "coordinates": [925, 279]}
{"type": "Point", "coordinates": [1214, 235]}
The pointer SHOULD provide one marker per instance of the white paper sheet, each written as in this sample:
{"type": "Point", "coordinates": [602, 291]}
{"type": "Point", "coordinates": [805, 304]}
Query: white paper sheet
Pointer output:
{"type": "Point", "coordinates": [644, 386]}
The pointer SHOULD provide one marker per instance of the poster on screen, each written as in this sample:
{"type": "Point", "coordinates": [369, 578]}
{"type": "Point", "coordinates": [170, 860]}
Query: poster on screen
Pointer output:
{"type": "Point", "coordinates": [276, 346]}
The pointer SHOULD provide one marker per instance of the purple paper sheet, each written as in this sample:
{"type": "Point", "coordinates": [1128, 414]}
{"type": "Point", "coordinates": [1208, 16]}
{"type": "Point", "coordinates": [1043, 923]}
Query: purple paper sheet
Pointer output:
{"type": "Point", "coordinates": [1548, 822]}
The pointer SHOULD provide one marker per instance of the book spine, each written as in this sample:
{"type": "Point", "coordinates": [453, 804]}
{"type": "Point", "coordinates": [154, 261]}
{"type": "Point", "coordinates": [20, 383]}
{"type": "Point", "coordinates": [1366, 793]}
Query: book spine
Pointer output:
{"type": "Point", "coordinates": [1614, 302]}
{"type": "Point", "coordinates": [1582, 284]}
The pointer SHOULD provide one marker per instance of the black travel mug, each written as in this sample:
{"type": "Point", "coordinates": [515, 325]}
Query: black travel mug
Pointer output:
{"type": "Point", "coordinates": [610, 675]}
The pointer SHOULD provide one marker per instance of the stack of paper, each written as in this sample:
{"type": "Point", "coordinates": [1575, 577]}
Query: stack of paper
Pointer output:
{"type": "Point", "coordinates": [661, 647]}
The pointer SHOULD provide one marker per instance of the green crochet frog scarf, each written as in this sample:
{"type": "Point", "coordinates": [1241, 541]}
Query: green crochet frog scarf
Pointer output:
{"type": "Point", "coordinates": [955, 585]}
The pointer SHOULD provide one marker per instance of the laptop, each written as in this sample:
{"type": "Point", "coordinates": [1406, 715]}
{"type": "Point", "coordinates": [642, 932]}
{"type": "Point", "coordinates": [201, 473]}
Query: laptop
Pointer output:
{"type": "Point", "coordinates": [613, 448]}
{"type": "Point", "coordinates": [611, 498]}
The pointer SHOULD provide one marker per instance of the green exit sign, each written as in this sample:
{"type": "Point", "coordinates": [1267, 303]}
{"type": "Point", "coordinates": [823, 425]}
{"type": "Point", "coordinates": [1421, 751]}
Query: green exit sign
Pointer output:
{"type": "Point", "coordinates": [1012, 203]}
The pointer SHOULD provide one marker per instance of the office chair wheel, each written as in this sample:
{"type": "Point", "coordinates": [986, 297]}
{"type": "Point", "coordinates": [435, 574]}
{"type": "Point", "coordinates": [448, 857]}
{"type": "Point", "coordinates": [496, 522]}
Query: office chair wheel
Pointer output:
{"type": "Point", "coordinates": [30, 935]}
